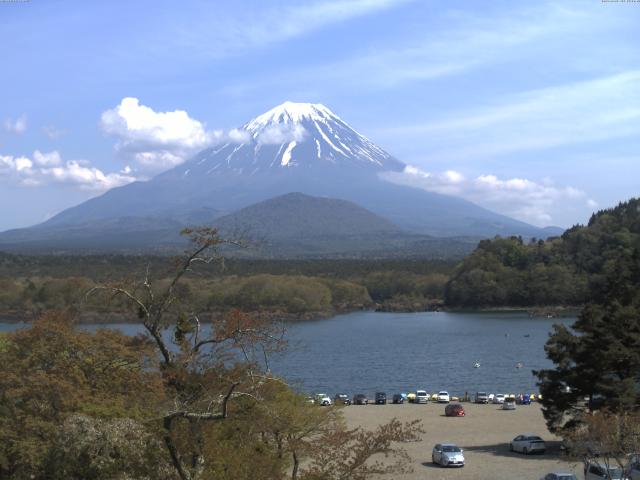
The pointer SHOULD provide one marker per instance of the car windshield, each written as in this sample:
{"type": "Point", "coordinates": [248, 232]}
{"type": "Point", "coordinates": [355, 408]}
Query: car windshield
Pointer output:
{"type": "Point", "coordinates": [538, 439]}
{"type": "Point", "coordinates": [482, 394]}
{"type": "Point", "coordinates": [421, 394]}
{"type": "Point", "coordinates": [443, 393]}
{"type": "Point", "coordinates": [450, 448]}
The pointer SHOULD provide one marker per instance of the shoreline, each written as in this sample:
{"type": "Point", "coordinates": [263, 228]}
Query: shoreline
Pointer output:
{"type": "Point", "coordinates": [91, 318]}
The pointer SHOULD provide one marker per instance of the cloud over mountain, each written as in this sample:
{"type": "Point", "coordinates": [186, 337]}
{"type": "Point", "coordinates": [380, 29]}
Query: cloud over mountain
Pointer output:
{"type": "Point", "coordinates": [519, 197]}
{"type": "Point", "coordinates": [159, 140]}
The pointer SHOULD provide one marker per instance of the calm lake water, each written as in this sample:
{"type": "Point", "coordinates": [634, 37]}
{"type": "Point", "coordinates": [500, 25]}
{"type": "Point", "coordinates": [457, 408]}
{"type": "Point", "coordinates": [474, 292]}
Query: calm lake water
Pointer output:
{"type": "Point", "coordinates": [364, 352]}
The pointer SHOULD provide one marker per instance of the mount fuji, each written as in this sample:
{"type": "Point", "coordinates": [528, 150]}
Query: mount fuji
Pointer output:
{"type": "Point", "coordinates": [294, 147]}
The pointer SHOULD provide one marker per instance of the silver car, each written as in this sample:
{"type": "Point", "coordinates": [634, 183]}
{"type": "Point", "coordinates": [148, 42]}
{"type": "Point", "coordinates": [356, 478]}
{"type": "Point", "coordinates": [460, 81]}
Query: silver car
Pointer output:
{"type": "Point", "coordinates": [447, 455]}
{"type": "Point", "coordinates": [601, 471]}
{"type": "Point", "coordinates": [508, 404]}
{"type": "Point", "coordinates": [559, 476]}
{"type": "Point", "coordinates": [527, 443]}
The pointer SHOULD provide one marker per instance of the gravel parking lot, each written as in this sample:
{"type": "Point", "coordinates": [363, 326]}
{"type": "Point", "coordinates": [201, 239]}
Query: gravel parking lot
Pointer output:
{"type": "Point", "coordinates": [484, 435]}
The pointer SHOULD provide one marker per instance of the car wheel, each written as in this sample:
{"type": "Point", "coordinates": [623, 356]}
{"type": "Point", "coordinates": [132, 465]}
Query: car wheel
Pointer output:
{"type": "Point", "coordinates": [433, 459]}
{"type": "Point", "coordinates": [511, 447]}
{"type": "Point", "coordinates": [525, 451]}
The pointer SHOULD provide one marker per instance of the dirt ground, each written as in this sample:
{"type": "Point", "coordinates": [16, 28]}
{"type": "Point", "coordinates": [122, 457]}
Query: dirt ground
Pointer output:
{"type": "Point", "coordinates": [484, 435]}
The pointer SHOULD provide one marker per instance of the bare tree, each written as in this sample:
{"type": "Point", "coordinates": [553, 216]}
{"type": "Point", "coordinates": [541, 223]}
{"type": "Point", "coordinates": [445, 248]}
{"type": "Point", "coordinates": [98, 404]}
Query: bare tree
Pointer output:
{"type": "Point", "coordinates": [611, 439]}
{"type": "Point", "coordinates": [204, 368]}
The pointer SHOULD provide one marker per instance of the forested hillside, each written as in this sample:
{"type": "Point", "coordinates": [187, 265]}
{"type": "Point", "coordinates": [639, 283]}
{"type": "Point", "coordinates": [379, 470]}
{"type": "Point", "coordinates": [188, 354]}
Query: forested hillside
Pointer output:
{"type": "Point", "coordinates": [563, 271]}
{"type": "Point", "coordinates": [30, 285]}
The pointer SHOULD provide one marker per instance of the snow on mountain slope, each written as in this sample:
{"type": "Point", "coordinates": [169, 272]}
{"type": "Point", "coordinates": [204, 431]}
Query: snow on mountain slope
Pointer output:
{"type": "Point", "coordinates": [294, 135]}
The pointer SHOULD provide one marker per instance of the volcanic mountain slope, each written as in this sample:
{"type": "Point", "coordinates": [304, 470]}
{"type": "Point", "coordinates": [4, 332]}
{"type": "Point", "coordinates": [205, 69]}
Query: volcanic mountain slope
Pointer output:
{"type": "Point", "coordinates": [295, 147]}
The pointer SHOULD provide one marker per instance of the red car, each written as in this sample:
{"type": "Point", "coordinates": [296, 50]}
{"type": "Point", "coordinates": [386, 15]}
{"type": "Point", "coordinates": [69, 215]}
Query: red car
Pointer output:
{"type": "Point", "coordinates": [454, 410]}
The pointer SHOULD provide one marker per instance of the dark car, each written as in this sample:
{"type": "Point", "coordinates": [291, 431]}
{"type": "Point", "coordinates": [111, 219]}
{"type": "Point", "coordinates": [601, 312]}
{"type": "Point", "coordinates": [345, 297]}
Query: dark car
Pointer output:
{"type": "Point", "coordinates": [397, 398]}
{"type": "Point", "coordinates": [454, 410]}
{"type": "Point", "coordinates": [360, 399]}
{"type": "Point", "coordinates": [341, 398]}
{"type": "Point", "coordinates": [381, 398]}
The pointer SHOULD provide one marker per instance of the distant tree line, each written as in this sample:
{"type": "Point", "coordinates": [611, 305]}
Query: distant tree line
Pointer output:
{"type": "Point", "coordinates": [289, 293]}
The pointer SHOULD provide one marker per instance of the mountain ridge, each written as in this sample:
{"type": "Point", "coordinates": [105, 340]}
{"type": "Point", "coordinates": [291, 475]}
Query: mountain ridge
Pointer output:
{"type": "Point", "coordinates": [293, 147]}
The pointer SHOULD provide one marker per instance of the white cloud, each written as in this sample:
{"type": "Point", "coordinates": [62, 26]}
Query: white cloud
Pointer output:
{"type": "Point", "coordinates": [582, 112]}
{"type": "Point", "coordinates": [53, 132]}
{"type": "Point", "coordinates": [456, 43]}
{"type": "Point", "coordinates": [48, 168]}
{"type": "Point", "coordinates": [47, 159]}
{"type": "Point", "coordinates": [160, 140]}
{"type": "Point", "coordinates": [209, 33]}
{"type": "Point", "coordinates": [520, 198]}
{"type": "Point", "coordinates": [281, 133]}
{"type": "Point", "coordinates": [19, 125]}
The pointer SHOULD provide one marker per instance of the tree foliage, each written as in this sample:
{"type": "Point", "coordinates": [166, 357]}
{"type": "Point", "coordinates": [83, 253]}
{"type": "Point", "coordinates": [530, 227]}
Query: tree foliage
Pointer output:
{"type": "Point", "coordinates": [568, 270]}
{"type": "Point", "coordinates": [597, 360]}
{"type": "Point", "coordinates": [185, 401]}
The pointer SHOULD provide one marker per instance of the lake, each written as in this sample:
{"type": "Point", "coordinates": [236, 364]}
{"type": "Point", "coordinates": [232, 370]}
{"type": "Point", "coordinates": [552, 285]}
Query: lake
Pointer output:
{"type": "Point", "coordinates": [364, 352]}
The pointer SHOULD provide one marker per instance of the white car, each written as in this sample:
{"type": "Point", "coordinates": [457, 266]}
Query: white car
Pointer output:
{"type": "Point", "coordinates": [600, 471]}
{"type": "Point", "coordinates": [323, 399]}
{"type": "Point", "coordinates": [498, 398]}
{"type": "Point", "coordinates": [447, 455]}
{"type": "Point", "coordinates": [443, 397]}
{"type": "Point", "coordinates": [527, 443]}
{"type": "Point", "coordinates": [421, 396]}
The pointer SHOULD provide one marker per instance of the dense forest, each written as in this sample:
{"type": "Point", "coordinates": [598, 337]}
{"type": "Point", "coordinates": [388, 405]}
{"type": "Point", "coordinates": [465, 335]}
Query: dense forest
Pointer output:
{"type": "Point", "coordinates": [30, 285]}
{"type": "Point", "coordinates": [562, 271]}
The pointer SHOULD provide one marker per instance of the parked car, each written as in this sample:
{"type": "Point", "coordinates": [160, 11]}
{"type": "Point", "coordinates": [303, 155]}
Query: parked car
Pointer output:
{"type": "Point", "coordinates": [454, 410]}
{"type": "Point", "coordinates": [310, 400]}
{"type": "Point", "coordinates": [411, 397]}
{"type": "Point", "coordinates": [559, 476]}
{"type": "Point", "coordinates": [443, 397]}
{"type": "Point", "coordinates": [397, 398]}
{"type": "Point", "coordinates": [482, 397]}
{"type": "Point", "coordinates": [447, 455]}
{"type": "Point", "coordinates": [527, 443]}
{"type": "Point", "coordinates": [381, 398]}
{"type": "Point", "coordinates": [498, 398]}
{"type": "Point", "coordinates": [421, 396]}
{"type": "Point", "coordinates": [360, 399]}
{"type": "Point", "coordinates": [509, 404]}
{"type": "Point", "coordinates": [342, 398]}
{"type": "Point", "coordinates": [595, 470]}
{"type": "Point", "coordinates": [523, 399]}
{"type": "Point", "coordinates": [323, 399]}
{"type": "Point", "coordinates": [633, 469]}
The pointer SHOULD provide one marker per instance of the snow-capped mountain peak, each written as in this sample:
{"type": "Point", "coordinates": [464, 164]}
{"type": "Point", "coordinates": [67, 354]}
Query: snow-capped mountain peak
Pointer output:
{"type": "Point", "coordinates": [290, 113]}
{"type": "Point", "coordinates": [294, 135]}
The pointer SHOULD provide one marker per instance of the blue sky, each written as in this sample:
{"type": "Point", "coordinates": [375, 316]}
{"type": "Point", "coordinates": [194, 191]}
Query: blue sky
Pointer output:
{"type": "Point", "coordinates": [531, 109]}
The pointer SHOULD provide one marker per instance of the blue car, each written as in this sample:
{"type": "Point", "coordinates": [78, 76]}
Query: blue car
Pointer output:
{"type": "Point", "coordinates": [523, 399]}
